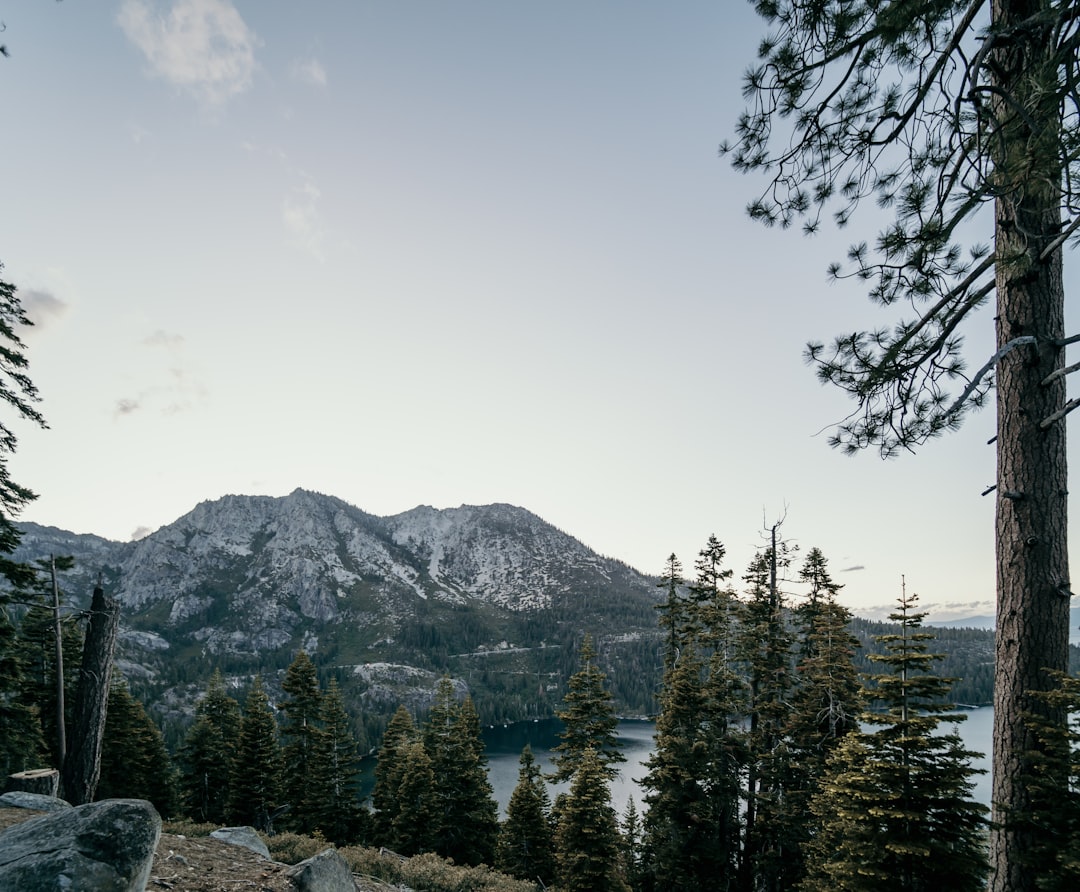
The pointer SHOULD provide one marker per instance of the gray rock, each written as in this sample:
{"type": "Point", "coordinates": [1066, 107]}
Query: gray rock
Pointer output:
{"type": "Point", "coordinates": [106, 846]}
{"type": "Point", "coordinates": [242, 836]}
{"type": "Point", "coordinates": [40, 801]}
{"type": "Point", "coordinates": [325, 872]}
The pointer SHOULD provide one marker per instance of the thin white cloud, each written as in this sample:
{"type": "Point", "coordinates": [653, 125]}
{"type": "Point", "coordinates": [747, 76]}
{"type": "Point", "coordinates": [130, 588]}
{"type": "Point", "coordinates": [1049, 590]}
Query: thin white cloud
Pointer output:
{"type": "Point", "coordinates": [202, 47]}
{"type": "Point", "coordinates": [309, 71]}
{"type": "Point", "coordinates": [300, 215]}
{"type": "Point", "coordinates": [173, 389]}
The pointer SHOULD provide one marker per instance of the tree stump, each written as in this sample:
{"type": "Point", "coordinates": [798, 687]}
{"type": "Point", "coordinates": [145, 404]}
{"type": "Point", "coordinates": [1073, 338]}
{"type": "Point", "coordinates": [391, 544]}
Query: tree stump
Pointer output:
{"type": "Point", "coordinates": [45, 781]}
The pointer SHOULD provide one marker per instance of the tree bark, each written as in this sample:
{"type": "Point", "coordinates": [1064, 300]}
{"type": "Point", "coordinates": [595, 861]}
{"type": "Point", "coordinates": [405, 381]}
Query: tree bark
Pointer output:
{"type": "Point", "coordinates": [1032, 555]}
{"type": "Point", "coordinates": [83, 765]}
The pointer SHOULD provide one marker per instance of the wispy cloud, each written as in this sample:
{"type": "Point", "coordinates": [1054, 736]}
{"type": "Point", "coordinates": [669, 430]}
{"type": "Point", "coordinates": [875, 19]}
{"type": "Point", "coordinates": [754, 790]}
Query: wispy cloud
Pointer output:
{"type": "Point", "coordinates": [309, 71]}
{"type": "Point", "coordinates": [176, 388]}
{"type": "Point", "coordinates": [42, 307]}
{"type": "Point", "coordinates": [853, 569]}
{"type": "Point", "coordinates": [300, 215]}
{"type": "Point", "coordinates": [203, 47]}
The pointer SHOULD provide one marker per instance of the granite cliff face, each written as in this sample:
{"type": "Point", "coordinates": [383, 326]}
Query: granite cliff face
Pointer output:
{"type": "Point", "coordinates": [244, 581]}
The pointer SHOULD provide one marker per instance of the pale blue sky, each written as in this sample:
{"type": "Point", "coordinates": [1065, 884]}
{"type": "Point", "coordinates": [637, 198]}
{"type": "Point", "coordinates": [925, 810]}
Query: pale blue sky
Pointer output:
{"type": "Point", "coordinates": [441, 253]}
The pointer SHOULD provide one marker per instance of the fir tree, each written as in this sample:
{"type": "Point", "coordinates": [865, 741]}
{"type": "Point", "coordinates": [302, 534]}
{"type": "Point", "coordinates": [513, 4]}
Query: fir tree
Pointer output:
{"type": "Point", "coordinates": [22, 745]}
{"type": "Point", "coordinates": [587, 843]}
{"type": "Point", "coordinates": [389, 770]}
{"type": "Point", "coordinates": [826, 703]}
{"type": "Point", "coordinates": [134, 761]}
{"type": "Point", "coordinates": [680, 840]}
{"type": "Point", "coordinates": [255, 782]}
{"type": "Point", "coordinates": [207, 753]}
{"type": "Point", "coordinates": [418, 813]}
{"type": "Point", "coordinates": [765, 647]}
{"type": "Point", "coordinates": [526, 847]}
{"type": "Point", "coordinates": [589, 721]}
{"type": "Point", "coordinates": [674, 611]}
{"type": "Point", "coordinates": [895, 811]}
{"type": "Point", "coordinates": [467, 815]}
{"type": "Point", "coordinates": [631, 846]}
{"type": "Point", "coordinates": [300, 733]}
{"type": "Point", "coordinates": [332, 798]}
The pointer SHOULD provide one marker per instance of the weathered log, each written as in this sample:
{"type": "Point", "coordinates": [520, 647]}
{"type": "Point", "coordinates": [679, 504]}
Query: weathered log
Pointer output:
{"type": "Point", "coordinates": [82, 768]}
{"type": "Point", "coordinates": [45, 781]}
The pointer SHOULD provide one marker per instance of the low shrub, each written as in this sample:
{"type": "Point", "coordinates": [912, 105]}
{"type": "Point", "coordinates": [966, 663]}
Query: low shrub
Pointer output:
{"type": "Point", "coordinates": [189, 828]}
{"type": "Point", "coordinates": [292, 848]}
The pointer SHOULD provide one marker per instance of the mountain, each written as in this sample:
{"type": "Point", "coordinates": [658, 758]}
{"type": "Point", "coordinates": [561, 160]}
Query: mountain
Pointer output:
{"type": "Point", "coordinates": [491, 594]}
{"type": "Point", "coordinates": [988, 622]}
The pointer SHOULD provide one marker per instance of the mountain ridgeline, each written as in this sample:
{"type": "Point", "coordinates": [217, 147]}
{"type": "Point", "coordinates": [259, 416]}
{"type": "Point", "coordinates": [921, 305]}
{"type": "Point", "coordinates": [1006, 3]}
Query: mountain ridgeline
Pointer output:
{"type": "Point", "coordinates": [492, 595]}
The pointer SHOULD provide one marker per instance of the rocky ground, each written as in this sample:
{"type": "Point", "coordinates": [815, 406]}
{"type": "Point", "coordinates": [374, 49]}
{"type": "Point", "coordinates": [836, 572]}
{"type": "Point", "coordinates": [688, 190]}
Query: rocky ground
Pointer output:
{"type": "Point", "coordinates": [184, 864]}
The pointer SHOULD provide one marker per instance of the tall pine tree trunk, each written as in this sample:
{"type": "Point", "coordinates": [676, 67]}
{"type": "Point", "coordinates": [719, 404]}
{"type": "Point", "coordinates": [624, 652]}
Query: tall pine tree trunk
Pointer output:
{"type": "Point", "coordinates": [82, 768]}
{"type": "Point", "coordinates": [1032, 556]}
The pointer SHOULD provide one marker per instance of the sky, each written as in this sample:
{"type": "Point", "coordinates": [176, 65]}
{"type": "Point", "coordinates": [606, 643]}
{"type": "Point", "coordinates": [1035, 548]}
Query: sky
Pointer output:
{"type": "Point", "coordinates": [446, 253]}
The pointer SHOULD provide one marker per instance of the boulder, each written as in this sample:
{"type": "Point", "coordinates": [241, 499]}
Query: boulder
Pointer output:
{"type": "Point", "coordinates": [19, 799]}
{"type": "Point", "coordinates": [242, 836]}
{"type": "Point", "coordinates": [325, 872]}
{"type": "Point", "coordinates": [106, 846]}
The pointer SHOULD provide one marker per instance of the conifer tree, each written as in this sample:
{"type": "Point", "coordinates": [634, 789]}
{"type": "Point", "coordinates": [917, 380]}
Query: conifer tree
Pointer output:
{"type": "Point", "coordinates": [207, 753]}
{"type": "Point", "coordinates": [950, 112]}
{"type": "Point", "coordinates": [526, 847]}
{"type": "Point", "coordinates": [826, 703]}
{"type": "Point", "coordinates": [589, 720]}
{"type": "Point", "coordinates": [680, 837]}
{"type": "Point", "coordinates": [255, 782]}
{"type": "Point", "coordinates": [332, 798]}
{"type": "Point", "coordinates": [631, 846]}
{"type": "Point", "coordinates": [22, 745]}
{"type": "Point", "coordinates": [674, 611]}
{"type": "Point", "coordinates": [134, 761]}
{"type": "Point", "coordinates": [467, 815]}
{"type": "Point", "coordinates": [587, 843]}
{"type": "Point", "coordinates": [389, 770]}
{"type": "Point", "coordinates": [1054, 815]}
{"type": "Point", "coordinates": [765, 647]}
{"type": "Point", "coordinates": [895, 811]}
{"type": "Point", "coordinates": [300, 734]}
{"type": "Point", "coordinates": [418, 814]}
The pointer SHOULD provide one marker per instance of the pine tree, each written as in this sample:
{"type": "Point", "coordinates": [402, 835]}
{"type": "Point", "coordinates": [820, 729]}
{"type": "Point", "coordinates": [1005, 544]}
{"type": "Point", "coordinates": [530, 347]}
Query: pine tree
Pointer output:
{"type": "Point", "coordinates": [587, 843]}
{"type": "Point", "coordinates": [826, 703]}
{"type": "Point", "coordinates": [134, 761]}
{"type": "Point", "coordinates": [467, 815]}
{"type": "Point", "coordinates": [255, 782]}
{"type": "Point", "coordinates": [680, 837]}
{"type": "Point", "coordinates": [333, 799]}
{"type": "Point", "coordinates": [300, 733]}
{"type": "Point", "coordinates": [1054, 816]}
{"type": "Point", "coordinates": [765, 647]}
{"type": "Point", "coordinates": [589, 721]}
{"type": "Point", "coordinates": [389, 770]}
{"type": "Point", "coordinates": [631, 846]}
{"type": "Point", "coordinates": [22, 746]}
{"type": "Point", "coordinates": [418, 815]}
{"type": "Point", "coordinates": [675, 615]}
{"type": "Point", "coordinates": [526, 847]}
{"type": "Point", "coordinates": [206, 756]}
{"type": "Point", "coordinates": [949, 112]}
{"type": "Point", "coordinates": [895, 811]}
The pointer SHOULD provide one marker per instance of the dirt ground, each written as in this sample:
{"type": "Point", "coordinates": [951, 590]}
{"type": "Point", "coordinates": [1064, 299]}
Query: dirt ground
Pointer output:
{"type": "Point", "coordinates": [202, 864]}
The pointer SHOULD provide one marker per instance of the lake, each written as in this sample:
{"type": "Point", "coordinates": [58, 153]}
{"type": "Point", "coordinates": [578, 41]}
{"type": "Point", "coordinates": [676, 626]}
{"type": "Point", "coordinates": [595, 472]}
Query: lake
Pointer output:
{"type": "Point", "coordinates": [504, 745]}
